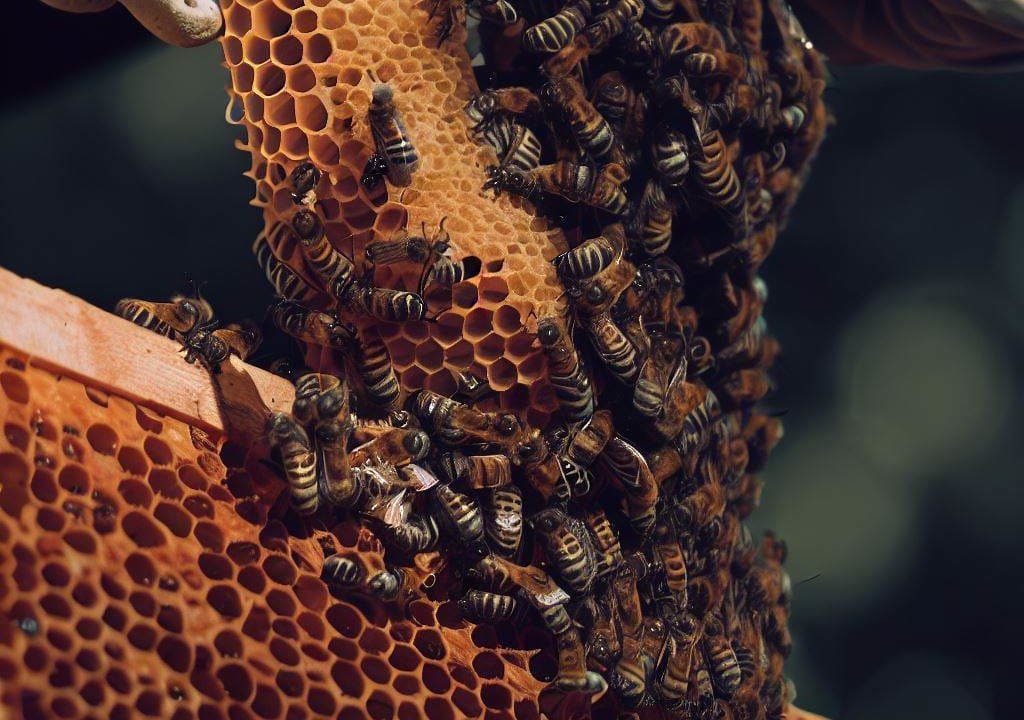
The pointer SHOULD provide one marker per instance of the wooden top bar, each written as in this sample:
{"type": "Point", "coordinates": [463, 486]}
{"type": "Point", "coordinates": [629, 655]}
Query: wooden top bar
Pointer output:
{"type": "Point", "coordinates": [69, 336]}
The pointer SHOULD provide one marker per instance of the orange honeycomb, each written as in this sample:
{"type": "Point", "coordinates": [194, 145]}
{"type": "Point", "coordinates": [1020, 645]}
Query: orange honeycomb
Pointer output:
{"type": "Point", "coordinates": [301, 83]}
{"type": "Point", "coordinates": [146, 571]}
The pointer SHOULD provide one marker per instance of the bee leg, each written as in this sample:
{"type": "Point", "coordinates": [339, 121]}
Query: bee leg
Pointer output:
{"type": "Point", "coordinates": [343, 571]}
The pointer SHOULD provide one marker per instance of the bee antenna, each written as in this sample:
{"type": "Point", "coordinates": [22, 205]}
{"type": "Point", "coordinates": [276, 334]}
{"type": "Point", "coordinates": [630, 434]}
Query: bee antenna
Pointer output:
{"type": "Point", "coordinates": [441, 224]}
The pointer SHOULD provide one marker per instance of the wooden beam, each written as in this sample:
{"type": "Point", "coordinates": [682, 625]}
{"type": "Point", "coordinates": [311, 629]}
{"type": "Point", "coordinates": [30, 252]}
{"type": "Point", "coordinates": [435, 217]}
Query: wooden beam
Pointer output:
{"type": "Point", "coordinates": [67, 335]}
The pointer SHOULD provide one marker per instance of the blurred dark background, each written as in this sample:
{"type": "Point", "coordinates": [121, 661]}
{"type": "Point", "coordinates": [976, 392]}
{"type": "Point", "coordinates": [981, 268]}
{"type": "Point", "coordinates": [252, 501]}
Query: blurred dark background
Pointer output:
{"type": "Point", "coordinates": [897, 293]}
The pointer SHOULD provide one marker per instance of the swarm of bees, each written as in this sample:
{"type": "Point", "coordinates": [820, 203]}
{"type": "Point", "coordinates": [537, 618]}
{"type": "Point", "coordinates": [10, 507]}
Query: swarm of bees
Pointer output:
{"type": "Point", "coordinates": [668, 139]}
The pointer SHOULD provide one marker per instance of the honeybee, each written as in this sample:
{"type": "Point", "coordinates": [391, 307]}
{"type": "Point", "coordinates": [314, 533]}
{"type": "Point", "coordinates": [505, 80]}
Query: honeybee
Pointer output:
{"type": "Point", "coordinates": [591, 256]}
{"type": "Point", "coordinates": [792, 118]}
{"type": "Point", "coordinates": [662, 368]}
{"type": "Point", "coordinates": [625, 467]}
{"type": "Point", "coordinates": [670, 559]}
{"type": "Point", "coordinates": [190, 320]}
{"type": "Point", "coordinates": [598, 292]}
{"type": "Point", "coordinates": [628, 677]}
{"type": "Point", "coordinates": [457, 424]}
{"type": "Point", "coordinates": [716, 176]}
{"type": "Point", "coordinates": [168, 319]}
{"type": "Point", "coordinates": [616, 351]}
{"type": "Point", "coordinates": [594, 37]}
{"type": "Point", "coordinates": [478, 472]}
{"type": "Point", "coordinates": [515, 144]}
{"type": "Point", "coordinates": [682, 666]}
{"type": "Point", "coordinates": [486, 107]}
{"type": "Point", "coordinates": [660, 10]}
{"type": "Point", "coordinates": [417, 534]}
{"type": "Point", "coordinates": [312, 326]}
{"type": "Point", "coordinates": [385, 303]}
{"type": "Point", "coordinates": [438, 266]}
{"type": "Point", "coordinates": [460, 516]}
{"type": "Point", "coordinates": [287, 283]}
{"type": "Point", "coordinates": [299, 462]}
{"type": "Point", "coordinates": [565, 98]}
{"type": "Point", "coordinates": [652, 223]}
{"type": "Point", "coordinates": [503, 520]}
{"type": "Point", "coordinates": [621, 105]}
{"type": "Point", "coordinates": [597, 187]}
{"type": "Point", "coordinates": [752, 347]}
{"type": "Point", "coordinates": [568, 547]}
{"type": "Point", "coordinates": [486, 606]}
{"type": "Point", "coordinates": [342, 571]}
{"type": "Point", "coordinates": [303, 180]}
{"type": "Point", "coordinates": [213, 345]}
{"type": "Point", "coordinates": [714, 62]}
{"type": "Point", "coordinates": [669, 155]}
{"type": "Point", "coordinates": [603, 645]}
{"type": "Point", "coordinates": [565, 370]}
{"type": "Point", "coordinates": [339, 480]}
{"type": "Point", "coordinates": [557, 31]}
{"type": "Point", "coordinates": [638, 49]}
{"type": "Point", "coordinates": [497, 12]}
{"type": "Point", "coordinates": [573, 675]}
{"type": "Point", "coordinates": [387, 584]}
{"type": "Point", "coordinates": [373, 365]}
{"type": "Point", "coordinates": [332, 268]}
{"type": "Point", "coordinates": [585, 442]}
{"type": "Point", "coordinates": [549, 601]}
{"type": "Point", "coordinates": [391, 137]}
{"type": "Point", "coordinates": [678, 40]}
{"type": "Point", "coordinates": [606, 541]}
{"type": "Point", "coordinates": [722, 661]}
{"type": "Point", "coordinates": [744, 388]}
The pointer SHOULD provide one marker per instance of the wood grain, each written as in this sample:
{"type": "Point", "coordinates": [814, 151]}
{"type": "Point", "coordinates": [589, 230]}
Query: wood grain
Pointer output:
{"type": "Point", "coordinates": [65, 334]}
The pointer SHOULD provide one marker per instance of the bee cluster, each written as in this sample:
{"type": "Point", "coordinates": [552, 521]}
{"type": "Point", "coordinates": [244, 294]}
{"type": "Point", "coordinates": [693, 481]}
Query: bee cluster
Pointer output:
{"type": "Point", "coordinates": [668, 140]}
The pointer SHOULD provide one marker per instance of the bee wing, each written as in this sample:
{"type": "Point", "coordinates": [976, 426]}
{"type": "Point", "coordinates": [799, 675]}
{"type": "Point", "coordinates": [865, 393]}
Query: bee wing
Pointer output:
{"type": "Point", "coordinates": [425, 480]}
{"type": "Point", "coordinates": [396, 510]}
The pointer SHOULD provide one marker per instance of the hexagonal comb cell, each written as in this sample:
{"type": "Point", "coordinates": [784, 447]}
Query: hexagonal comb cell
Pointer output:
{"type": "Point", "coordinates": [174, 592]}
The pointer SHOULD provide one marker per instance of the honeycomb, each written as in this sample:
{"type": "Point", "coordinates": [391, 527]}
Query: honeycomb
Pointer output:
{"type": "Point", "coordinates": [146, 571]}
{"type": "Point", "coordinates": [301, 88]}
{"type": "Point", "coordinates": [594, 533]}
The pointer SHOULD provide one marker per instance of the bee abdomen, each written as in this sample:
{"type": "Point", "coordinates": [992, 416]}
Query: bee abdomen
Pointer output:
{"type": "Point", "coordinates": [378, 374]}
{"type": "Point", "coordinates": [461, 513]}
{"type": "Point", "coordinates": [557, 31]}
{"type": "Point", "coordinates": [725, 669]}
{"type": "Point", "coordinates": [614, 348]}
{"type": "Point", "coordinates": [342, 571]}
{"type": "Point", "coordinates": [487, 606]}
{"type": "Point", "coordinates": [670, 159]}
{"type": "Point", "coordinates": [140, 315]}
{"type": "Point", "coordinates": [286, 282]}
{"type": "Point", "coordinates": [299, 461]}
{"type": "Point", "coordinates": [586, 259]}
{"type": "Point", "coordinates": [504, 520]}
